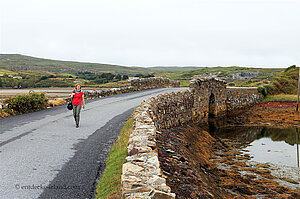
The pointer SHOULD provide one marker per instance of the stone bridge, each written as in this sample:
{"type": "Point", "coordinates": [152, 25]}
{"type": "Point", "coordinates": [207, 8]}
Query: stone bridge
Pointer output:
{"type": "Point", "coordinates": [212, 97]}
{"type": "Point", "coordinates": [142, 177]}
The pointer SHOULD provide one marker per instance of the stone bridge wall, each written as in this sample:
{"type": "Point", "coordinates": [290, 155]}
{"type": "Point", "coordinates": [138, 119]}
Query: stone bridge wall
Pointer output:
{"type": "Point", "coordinates": [171, 109]}
{"type": "Point", "coordinates": [154, 82]}
{"type": "Point", "coordinates": [241, 98]}
{"type": "Point", "coordinates": [141, 175]}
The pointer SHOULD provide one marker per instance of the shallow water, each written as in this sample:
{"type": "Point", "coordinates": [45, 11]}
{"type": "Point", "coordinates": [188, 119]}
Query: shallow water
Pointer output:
{"type": "Point", "coordinates": [271, 145]}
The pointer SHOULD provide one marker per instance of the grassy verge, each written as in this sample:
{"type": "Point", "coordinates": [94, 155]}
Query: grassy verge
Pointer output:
{"type": "Point", "coordinates": [280, 97]}
{"type": "Point", "coordinates": [109, 186]}
{"type": "Point", "coordinates": [185, 83]}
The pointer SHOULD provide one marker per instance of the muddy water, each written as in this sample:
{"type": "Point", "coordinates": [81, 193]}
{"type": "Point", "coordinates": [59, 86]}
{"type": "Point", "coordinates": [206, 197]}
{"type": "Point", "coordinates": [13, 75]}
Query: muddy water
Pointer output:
{"type": "Point", "coordinates": [271, 145]}
{"type": "Point", "coordinates": [276, 147]}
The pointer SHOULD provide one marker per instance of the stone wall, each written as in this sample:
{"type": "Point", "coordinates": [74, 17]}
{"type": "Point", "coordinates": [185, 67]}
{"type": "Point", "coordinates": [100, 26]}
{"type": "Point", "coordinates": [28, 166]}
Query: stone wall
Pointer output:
{"type": "Point", "coordinates": [153, 82]}
{"type": "Point", "coordinates": [136, 85]}
{"type": "Point", "coordinates": [141, 175]}
{"type": "Point", "coordinates": [107, 92]}
{"type": "Point", "coordinates": [240, 98]}
{"type": "Point", "coordinates": [171, 109]}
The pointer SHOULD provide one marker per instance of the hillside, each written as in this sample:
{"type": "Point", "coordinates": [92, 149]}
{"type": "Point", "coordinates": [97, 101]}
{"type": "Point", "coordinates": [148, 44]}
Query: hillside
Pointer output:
{"type": "Point", "coordinates": [285, 82]}
{"type": "Point", "coordinates": [16, 62]}
{"type": "Point", "coordinates": [235, 75]}
{"type": "Point", "coordinates": [46, 72]}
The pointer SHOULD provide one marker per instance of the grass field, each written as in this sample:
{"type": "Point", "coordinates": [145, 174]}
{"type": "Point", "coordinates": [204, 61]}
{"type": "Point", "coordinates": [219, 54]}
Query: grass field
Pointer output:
{"type": "Point", "coordinates": [8, 72]}
{"type": "Point", "coordinates": [68, 75]}
{"type": "Point", "coordinates": [280, 97]}
{"type": "Point", "coordinates": [115, 84]}
{"type": "Point", "coordinates": [109, 185]}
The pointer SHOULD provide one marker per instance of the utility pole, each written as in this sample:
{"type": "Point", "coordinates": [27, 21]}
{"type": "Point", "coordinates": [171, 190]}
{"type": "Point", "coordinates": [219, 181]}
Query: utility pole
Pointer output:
{"type": "Point", "coordinates": [297, 146]}
{"type": "Point", "coordinates": [298, 91]}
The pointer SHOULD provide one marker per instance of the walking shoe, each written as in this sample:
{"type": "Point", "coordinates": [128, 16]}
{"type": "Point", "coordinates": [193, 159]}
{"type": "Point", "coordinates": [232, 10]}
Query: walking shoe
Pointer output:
{"type": "Point", "coordinates": [77, 126]}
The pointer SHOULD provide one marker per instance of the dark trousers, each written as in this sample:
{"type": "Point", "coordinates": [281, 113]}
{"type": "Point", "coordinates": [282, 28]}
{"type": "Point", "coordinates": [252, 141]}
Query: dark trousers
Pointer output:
{"type": "Point", "coordinates": [76, 113]}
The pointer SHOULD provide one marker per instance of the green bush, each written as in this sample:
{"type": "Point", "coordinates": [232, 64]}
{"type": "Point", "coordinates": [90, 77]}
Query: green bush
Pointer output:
{"type": "Point", "coordinates": [27, 103]}
{"type": "Point", "coordinates": [271, 89]}
{"type": "Point", "coordinates": [262, 90]}
{"type": "Point", "coordinates": [289, 68]}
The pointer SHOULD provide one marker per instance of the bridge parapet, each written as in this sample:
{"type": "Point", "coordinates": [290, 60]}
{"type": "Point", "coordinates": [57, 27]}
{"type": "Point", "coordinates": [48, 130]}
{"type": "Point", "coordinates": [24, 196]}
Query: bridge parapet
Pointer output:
{"type": "Point", "coordinates": [239, 98]}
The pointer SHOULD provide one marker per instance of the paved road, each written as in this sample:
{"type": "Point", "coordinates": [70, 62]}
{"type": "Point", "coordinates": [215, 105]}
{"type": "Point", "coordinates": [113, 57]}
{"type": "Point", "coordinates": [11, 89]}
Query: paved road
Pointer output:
{"type": "Point", "coordinates": [43, 155]}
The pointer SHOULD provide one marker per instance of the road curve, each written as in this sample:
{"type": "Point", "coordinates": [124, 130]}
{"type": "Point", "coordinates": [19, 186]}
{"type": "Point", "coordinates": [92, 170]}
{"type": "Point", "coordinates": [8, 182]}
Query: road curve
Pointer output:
{"type": "Point", "coordinates": [43, 155]}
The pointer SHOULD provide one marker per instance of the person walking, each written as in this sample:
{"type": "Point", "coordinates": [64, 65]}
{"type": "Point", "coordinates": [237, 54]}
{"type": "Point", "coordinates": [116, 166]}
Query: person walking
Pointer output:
{"type": "Point", "coordinates": [78, 102]}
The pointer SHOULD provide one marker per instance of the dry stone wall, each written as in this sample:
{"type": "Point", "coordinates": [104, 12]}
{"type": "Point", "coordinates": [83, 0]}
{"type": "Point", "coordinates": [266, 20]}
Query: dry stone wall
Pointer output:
{"type": "Point", "coordinates": [107, 92]}
{"type": "Point", "coordinates": [241, 98]}
{"type": "Point", "coordinates": [171, 109]}
{"type": "Point", "coordinates": [153, 82]}
{"type": "Point", "coordinates": [136, 85]}
{"type": "Point", "coordinates": [141, 174]}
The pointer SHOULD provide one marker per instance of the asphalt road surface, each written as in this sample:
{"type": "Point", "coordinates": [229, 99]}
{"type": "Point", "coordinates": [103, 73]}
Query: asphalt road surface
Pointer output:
{"type": "Point", "coordinates": [43, 155]}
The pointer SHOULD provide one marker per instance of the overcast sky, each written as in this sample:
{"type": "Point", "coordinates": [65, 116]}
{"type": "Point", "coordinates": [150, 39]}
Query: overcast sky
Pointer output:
{"type": "Point", "coordinates": [260, 33]}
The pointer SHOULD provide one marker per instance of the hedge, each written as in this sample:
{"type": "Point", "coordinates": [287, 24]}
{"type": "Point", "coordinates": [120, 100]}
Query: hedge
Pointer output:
{"type": "Point", "coordinates": [27, 103]}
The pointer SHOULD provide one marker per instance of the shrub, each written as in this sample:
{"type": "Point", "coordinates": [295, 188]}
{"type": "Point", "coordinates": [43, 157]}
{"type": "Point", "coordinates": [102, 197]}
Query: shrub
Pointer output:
{"type": "Point", "coordinates": [271, 89]}
{"type": "Point", "coordinates": [289, 68]}
{"type": "Point", "coordinates": [262, 90]}
{"type": "Point", "coordinates": [284, 83]}
{"type": "Point", "coordinates": [27, 103]}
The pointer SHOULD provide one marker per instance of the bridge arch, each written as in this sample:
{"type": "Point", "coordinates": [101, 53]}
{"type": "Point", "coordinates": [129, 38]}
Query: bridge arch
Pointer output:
{"type": "Point", "coordinates": [209, 98]}
{"type": "Point", "coordinates": [212, 105]}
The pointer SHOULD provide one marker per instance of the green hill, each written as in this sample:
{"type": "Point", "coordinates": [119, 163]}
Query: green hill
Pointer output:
{"type": "Point", "coordinates": [285, 82]}
{"type": "Point", "coordinates": [16, 62]}
{"type": "Point", "coordinates": [234, 75]}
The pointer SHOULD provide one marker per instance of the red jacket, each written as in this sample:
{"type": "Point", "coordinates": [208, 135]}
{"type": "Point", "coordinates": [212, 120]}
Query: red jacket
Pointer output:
{"type": "Point", "coordinates": [77, 98]}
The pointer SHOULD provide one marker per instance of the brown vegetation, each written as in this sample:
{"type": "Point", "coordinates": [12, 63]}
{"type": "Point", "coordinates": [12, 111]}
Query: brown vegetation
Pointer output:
{"type": "Point", "coordinates": [200, 166]}
{"type": "Point", "coordinates": [56, 102]}
{"type": "Point", "coordinates": [273, 113]}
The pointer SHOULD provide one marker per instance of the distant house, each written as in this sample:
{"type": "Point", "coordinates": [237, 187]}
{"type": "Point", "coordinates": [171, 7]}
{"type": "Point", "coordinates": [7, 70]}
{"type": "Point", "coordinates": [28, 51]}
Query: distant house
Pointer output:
{"type": "Point", "coordinates": [133, 78]}
{"type": "Point", "coordinates": [76, 81]}
{"type": "Point", "coordinates": [17, 77]}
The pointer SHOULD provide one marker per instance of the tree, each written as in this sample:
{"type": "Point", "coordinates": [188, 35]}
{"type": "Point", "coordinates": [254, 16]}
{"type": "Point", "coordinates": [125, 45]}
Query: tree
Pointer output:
{"type": "Point", "coordinates": [118, 77]}
{"type": "Point", "coordinates": [125, 77]}
{"type": "Point", "coordinates": [108, 76]}
{"type": "Point", "coordinates": [289, 68]}
{"type": "Point", "coordinates": [0, 82]}
{"type": "Point", "coordinates": [148, 75]}
{"type": "Point", "coordinates": [139, 75]}
{"type": "Point", "coordinates": [44, 77]}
